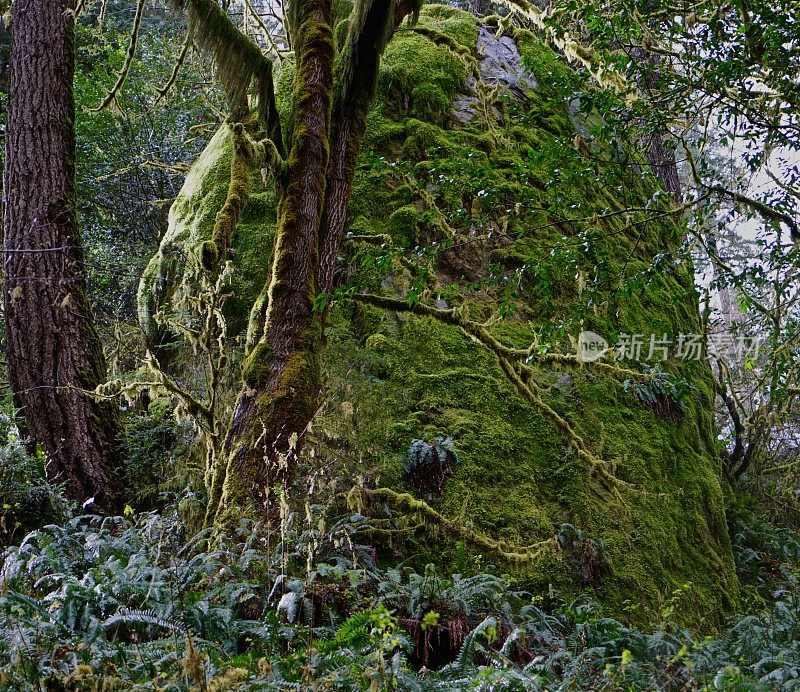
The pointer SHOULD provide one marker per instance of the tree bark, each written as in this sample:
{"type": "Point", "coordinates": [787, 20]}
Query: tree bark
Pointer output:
{"type": "Point", "coordinates": [661, 158]}
{"type": "Point", "coordinates": [53, 350]}
{"type": "Point", "coordinates": [282, 375]}
{"type": "Point", "coordinates": [477, 7]}
{"type": "Point", "coordinates": [357, 80]}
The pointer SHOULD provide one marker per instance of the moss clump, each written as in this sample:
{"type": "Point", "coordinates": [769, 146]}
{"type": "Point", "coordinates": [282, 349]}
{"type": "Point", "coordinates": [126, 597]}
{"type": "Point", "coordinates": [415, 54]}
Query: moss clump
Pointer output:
{"type": "Point", "coordinates": [255, 369]}
{"type": "Point", "coordinates": [420, 77]}
{"type": "Point", "coordinates": [458, 25]}
{"type": "Point", "coordinates": [402, 226]}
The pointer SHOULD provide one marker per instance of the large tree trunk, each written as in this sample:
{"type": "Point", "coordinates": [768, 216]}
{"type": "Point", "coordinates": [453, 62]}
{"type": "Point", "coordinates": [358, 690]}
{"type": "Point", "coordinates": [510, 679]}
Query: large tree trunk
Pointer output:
{"type": "Point", "coordinates": [282, 372]}
{"type": "Point", "coordinates": [282, 375]}
{"type": "Point", "coordinates": [52, 348]}
{"type": "Point", "coordinates": [655, 145]}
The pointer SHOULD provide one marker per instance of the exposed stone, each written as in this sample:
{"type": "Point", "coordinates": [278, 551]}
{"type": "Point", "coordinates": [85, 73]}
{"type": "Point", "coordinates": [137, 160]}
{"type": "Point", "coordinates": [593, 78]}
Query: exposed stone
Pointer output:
{"type": "Point", "coordinates": [500, 65]}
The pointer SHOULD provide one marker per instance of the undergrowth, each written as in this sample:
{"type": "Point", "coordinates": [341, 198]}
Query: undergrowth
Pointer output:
{"type": "Point", "coordinates": [136, 602]}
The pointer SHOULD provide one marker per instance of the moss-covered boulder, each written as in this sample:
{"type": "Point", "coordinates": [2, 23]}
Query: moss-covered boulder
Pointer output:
{"type": "Point", "coordinates": [516, 215]}
{"type": "Point", "coordinates": [176, 272]}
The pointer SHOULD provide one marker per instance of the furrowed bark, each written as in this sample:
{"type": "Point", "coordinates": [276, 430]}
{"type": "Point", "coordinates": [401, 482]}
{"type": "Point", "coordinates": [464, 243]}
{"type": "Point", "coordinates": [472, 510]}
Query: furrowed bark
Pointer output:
{"type": "Point", "coordinates": [52, 347]}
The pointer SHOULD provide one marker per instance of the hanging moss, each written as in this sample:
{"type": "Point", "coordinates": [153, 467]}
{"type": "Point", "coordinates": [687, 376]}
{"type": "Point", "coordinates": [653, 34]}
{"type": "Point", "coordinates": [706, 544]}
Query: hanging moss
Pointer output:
{"type": "Point", "coordinates": [240, 62]}
{"type": "Point", "coordinates": [197, 211]}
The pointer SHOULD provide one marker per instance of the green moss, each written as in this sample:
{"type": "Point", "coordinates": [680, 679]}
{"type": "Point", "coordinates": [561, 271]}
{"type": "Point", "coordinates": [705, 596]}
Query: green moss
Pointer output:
{"type": "Point", "coordinates": [411, 378]}
{"type": "Point", "coordinates": [457, 24]}
{"type": "Point", "coordinates": [417, 76]}
{"type": "Point", "coordinates": [402, 226]}
{"type": "Point", "coordinates": [188, 243]}
{"type": "Point", "coordinates": [255, 368]}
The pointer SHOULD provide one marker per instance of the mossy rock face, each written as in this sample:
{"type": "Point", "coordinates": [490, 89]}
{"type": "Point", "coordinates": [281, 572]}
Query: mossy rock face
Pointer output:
{"type": "Point", "coordinates": [524, 210]}
{"type": "Point", "coordinates": [517, 178]}
{"type": "Point", "coordinates": [176, 271]}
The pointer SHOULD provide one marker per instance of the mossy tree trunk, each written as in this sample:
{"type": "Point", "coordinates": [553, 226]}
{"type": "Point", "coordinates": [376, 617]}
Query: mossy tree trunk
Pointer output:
{"type": "Point", "coordinates": [357, 76]}
{"type": "Point", "coordinates": [281, 376]}
{"type": "Point", "coordinates": [282, 373]}
{"type": "Point", "coordinates": [52, 348]}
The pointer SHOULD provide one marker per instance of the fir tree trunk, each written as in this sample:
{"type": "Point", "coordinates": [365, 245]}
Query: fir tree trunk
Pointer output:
{"type": "Point", "coordinates": [658, 154]}
{"type": "Point", "coordinates": [52, 347]}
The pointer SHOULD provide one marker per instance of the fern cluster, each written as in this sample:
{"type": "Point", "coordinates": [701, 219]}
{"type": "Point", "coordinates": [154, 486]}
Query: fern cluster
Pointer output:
{"type": "Point", "coordinates": [137, 603]}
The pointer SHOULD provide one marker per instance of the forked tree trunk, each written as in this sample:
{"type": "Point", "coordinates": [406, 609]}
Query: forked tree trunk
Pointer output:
{"type": "Point", "coordinates": [52, 348]}
{"type": "Point", "coordinates": [282, 375]}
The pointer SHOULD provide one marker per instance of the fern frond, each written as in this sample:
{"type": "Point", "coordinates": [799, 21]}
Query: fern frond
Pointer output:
{"type": "Point", "coordinates": [144, 617]}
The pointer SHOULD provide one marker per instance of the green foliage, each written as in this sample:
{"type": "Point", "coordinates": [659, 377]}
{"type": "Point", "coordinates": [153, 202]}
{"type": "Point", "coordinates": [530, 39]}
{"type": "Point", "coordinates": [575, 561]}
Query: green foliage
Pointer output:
{"type": "Point", "coordinates": [430, 465]}
{"type": "Point", "coordinates": [131, 159]}
{"type": "Point", "coordinates": [660, 386]}
{"type": "Point", "coordinates": [156, 445]}
{"type": "Point", "coordinates": [27, 500]}
{"type": "Point", "coordinates": [125, 602]}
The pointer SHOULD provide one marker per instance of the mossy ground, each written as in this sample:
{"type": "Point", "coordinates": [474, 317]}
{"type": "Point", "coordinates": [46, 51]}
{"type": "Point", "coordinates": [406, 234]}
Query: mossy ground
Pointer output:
{"type": "Point", "coordinates": [521, 207]}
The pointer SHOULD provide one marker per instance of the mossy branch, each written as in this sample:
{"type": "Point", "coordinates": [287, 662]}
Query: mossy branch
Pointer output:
{"type": "Point", "coordinates": [480, 333]}
{"type": "Point", "coordinates": [122, 75]}
{"type": "Point", "coordinates": [176, 68]}
{"type": "Point", "coordinates": [196, 408]}
{"type": "Point", "coordinates": [499, 548]}
{"type": "Point", "coordinates": [761, 208]}
{"type": "Point", "coordinates": [529, 390]}
{"type": "Point", "coordinates": [265, 31]}
{"type": "Point", "coordinates": [440, 39]}
{"type": "Point", "coordinates": [244, 158]}
{"type": "Point", "coordinates": [239, 61]}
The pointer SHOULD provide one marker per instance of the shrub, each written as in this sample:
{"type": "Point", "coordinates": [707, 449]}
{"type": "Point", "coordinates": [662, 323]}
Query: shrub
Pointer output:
{"type": "Point", "coordinates": [28, 500]}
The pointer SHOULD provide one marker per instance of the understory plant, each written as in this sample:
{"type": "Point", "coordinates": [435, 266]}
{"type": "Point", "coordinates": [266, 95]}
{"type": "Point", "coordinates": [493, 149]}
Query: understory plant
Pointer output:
{"type": "Point", "coordinates": [137, 602]}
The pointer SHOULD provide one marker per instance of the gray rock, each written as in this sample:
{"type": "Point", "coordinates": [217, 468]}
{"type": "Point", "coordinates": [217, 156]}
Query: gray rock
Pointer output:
{"type": "Point", "coordinates": [565, 383]}
{"type": "Point", "coordinates": [500, 64]}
